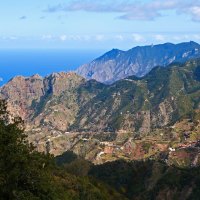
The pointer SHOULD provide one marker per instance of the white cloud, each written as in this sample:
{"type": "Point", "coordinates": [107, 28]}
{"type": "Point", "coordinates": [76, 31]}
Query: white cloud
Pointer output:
{"type": "Point", "coordinates": [99, 37]}
{"type": "Point", "coordinates": [119, 37]}
{"type": "Point", "coordinates": [63, 37]}
{"type": "Point", "coordinates": [159, 37]}
{"type": "Point", "coordinates": [86, 37]}
{"type": "Point", "coordinates": [196, 36]}
{"type": "Point", "coordinates": [1, 79]}
{"type": "Point", "coordinates": [195, 12]}
{"type": "Point", "coordinates": [132, 10]}
{"type": "Point", "coordinates": [138, 37]}
{"type": "Point", "coordinates": [12, 38]}
{"type": "Point", "coordinates": [76, 37]}
{"type": "Point", "coordinates": [182, 37]}
{"type": "Point", "coordinates": [47, 37]}
{"type": "Point", "coordinates": [124, 39]}
{"type": "Point", "coordinates": [177, 37]}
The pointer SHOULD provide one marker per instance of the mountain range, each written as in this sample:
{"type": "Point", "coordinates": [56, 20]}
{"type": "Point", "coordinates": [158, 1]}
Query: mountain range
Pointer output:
{"type": "Point", "coordinates": [117, 64]}
{"type": "Point", "coordinates": [66, 101]}
{"type": "Point", "coordinates": [64, 111]}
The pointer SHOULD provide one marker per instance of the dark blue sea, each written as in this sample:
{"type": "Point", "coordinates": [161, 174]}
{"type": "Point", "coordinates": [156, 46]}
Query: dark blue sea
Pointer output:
{"type": "Point", "coordinates": [27, 62]}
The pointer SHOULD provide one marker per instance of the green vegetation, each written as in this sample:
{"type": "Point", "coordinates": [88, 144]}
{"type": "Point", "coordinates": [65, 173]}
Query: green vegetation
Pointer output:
{"type": "Point", "coordinates": [28, 175]}
{"type": "Point", "coordinates": [159, 99]}
{"type": "Point", "coordinates": [142, 180]}
{"type": "Point", "coordinates": [169, 93]}
{"type": "Point", "coordinates": [24, 173]}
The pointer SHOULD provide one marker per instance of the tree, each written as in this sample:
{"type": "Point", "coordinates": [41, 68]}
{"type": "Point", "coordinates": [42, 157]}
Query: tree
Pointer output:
{"type": "Point", "coordinates": [24, 173]}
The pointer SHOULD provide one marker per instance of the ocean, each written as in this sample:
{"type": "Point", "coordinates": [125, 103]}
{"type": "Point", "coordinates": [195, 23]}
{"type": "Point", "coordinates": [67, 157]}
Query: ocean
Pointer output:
{"type": "Point", "coordinates": [27, 62]}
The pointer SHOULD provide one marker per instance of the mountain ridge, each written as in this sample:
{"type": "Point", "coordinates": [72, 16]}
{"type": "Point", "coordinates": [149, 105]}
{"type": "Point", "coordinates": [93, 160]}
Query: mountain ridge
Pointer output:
{"type": "Point", "coordinates": [117, 64]}
{"type": "Point", "coordinates": [65, 107]}
{"type": "Point", "coordinates": [28, 92]}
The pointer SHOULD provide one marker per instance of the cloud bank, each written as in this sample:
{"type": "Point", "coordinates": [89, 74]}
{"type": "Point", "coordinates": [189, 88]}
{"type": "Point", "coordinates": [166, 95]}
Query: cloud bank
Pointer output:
{"type": "Point", "coordinates": [132, 10]}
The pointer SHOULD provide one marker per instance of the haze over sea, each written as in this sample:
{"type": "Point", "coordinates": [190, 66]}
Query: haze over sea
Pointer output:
{"type": "Point", "coordinates": [27, 62]}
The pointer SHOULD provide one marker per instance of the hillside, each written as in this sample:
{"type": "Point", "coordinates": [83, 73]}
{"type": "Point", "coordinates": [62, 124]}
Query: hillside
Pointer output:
{"type": "Point", "coordinates": [66, 112]}
{"type": "Point", "coordinates": [116, 64]}
{"type": "Point", "coordinates": [141, 180]}
{"type": "Point", "coordinates": [143, 104]}
{"type": "Point", "coordinates": [28, 174]}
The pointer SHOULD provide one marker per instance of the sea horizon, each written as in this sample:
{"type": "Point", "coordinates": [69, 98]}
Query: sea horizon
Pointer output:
{"type": "Point", "coordinates": [27, 62]}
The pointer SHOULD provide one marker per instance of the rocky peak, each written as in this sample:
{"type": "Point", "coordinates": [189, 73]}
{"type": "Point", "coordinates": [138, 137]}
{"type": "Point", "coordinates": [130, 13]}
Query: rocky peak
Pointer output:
{"type": "Point", "coordinates": [23, 88]}
{"type": "Point", "coordinates": [24, 92]}
{"type": "Point", "coordinates": [111, 54]}
{"type": "Point", "coordinates": [36, 76]}
{"type": "Point", "coordinates": [60, 82]}
{"type": "Point", "coordinates": [21, 91]}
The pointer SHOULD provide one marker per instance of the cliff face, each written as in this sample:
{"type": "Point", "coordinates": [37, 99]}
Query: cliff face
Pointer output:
{"type": "Point", "coordinates": [116, 64]}
{"type": "Point", "coordinates": [31, 97]}
{"type": "Point", "coordinates": [21, 91]}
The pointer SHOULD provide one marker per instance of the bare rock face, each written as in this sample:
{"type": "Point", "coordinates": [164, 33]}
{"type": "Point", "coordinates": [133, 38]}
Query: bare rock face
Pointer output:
{"type": "Point", "coordinates": [29, 96]}
{"type": "Point", "coordinates": [20, 92]}
{"type": "Point", "coordinates": [48, 106]}
{"type": "Point", "coordinates": [60, 82]}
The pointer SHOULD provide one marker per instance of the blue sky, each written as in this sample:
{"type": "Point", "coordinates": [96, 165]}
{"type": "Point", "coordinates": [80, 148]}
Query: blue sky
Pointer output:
{"type": "Point", "coordinates": [97, 24]}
